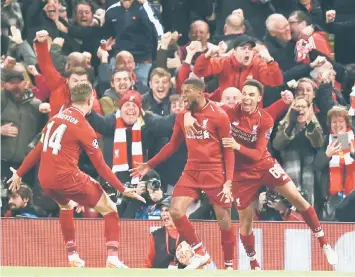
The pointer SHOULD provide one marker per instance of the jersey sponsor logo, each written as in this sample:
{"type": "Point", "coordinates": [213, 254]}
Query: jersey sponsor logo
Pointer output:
{"type": "Point", "coordinates": [244, 136]}
{"type": "Point", "coordinates": [95, 144]}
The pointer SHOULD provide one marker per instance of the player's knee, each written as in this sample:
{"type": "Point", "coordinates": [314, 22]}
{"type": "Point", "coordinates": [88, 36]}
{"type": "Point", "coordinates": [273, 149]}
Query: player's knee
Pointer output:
{"type": "Point", "coordinates": [246, 224]}
{"type": "Point", "coordinates": [175, 213]}
{"type": "Point", "coordinates": [69, 206]}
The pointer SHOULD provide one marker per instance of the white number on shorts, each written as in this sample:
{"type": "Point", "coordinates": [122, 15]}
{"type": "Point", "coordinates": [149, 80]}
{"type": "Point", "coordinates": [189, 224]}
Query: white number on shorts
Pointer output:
{"type": "Point", "coordinates": [55, 139]}
{"type": "Point", "coordinates": [276, 171]}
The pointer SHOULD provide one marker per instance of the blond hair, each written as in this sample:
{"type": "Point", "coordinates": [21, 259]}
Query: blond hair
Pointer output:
{"type": "Point", "coordinates": [81, 92]}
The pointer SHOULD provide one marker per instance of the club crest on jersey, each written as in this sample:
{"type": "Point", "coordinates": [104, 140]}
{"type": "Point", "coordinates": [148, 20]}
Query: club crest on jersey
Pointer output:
{"type": "Point", "coordinates": [235, 123]}
{"type": "Point", "coordinates": [255, 129]}
{"type": "Point", "coordinates": [204, 124]}
{"type": "Point", "coordinates": [95, 144]}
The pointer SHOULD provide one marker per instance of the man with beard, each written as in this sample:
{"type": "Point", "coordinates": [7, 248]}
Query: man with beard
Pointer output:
{"type": "Point", "coordinates": [20, 121]}
{"type": "Point", "coordinates": [20, 203]}
{"type": "Point", "coordinates": [233, 70]}
{"type": "Point", "coordinates": [208, 168]}
{"type": "Point", "coordinates": [58, 85]}
{"type": "Point", "coordinates": [121, 82]}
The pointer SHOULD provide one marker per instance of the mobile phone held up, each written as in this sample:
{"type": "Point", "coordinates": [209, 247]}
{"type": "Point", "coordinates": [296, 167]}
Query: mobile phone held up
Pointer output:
{"type": "Point", "coordinates": [344, 141]}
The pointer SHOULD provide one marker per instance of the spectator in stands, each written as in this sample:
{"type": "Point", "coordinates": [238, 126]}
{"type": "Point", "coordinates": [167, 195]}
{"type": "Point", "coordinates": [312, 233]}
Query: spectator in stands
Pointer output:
{"type": "Point", "coordinates": [231, 96]}
{"type": "Point", "coordinates": [20, 203]}
{"type": "Point", "coordinates": [313, 9]}
{"type": "Point", "coordinates": [124, 60]}
{"type": "Point", "coordinates": [235, 25]}
{"type": "Point", "coordinates": [336, 160]}
{"type": "Point", "coordinates": [20, 121]}
{"type": "Point", "coordinates": [135, 30]}
{"type": "Point", "coordinates": [298, 137]}
{"type": "Point", "coordinates": [345, 211]}
{"type": "Point", "coordinates": [59, 86]}
{"type": "Point", "coordinates": [121, 82]}
{"type": "Point", "coordinates": [299, 21]}
{"type": "Point", "coordinates": [120, 130]}
{"type": "Point", "coordinates": [157, 99]}
{"type": "Point", "coordinates": [177, 104]}
{"type": "Point", "coordinates": [10, 16]}
{"type": "Point", "coordinates": [321, 97]}
{"type": "Point", "coordinates": [236, 68]}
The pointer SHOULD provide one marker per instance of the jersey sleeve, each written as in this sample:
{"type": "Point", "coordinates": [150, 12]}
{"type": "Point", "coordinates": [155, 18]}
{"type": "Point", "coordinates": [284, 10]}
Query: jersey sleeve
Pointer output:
{"type": "Point", "coordinates": [262, 140]}
{"type": "Point", "coordinates": [31, 159]}
{"type": "Point", "coordinates": [88, 141]}
{"type": "Point", "coordinates": [172, 146]}
{"type": "Point", "coordinates": [224, 131]}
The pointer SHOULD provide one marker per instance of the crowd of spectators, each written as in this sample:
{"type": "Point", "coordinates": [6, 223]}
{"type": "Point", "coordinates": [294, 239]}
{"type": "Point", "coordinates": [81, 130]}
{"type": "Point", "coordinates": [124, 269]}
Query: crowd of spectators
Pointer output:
{"type": "Point", "coordinates": [137, 54]}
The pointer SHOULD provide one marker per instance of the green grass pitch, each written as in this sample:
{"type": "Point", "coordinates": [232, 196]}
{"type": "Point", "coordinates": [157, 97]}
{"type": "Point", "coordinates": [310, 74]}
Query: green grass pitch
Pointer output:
{"type": "Point", "coordinates": [132, 272]}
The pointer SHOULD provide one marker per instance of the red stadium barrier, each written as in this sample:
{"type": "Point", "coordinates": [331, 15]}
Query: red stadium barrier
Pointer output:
{"type": "Point", "coordinates": [280, 245]}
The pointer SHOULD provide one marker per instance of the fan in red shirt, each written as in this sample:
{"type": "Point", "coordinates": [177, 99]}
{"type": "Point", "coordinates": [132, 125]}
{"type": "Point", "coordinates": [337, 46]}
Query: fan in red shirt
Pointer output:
{"type": "Point", "coordinates": [63, 139]}
{"type": "Point", "coordinates": [209, 168]}
{"type": "Point", "coordinates": [254, 167]}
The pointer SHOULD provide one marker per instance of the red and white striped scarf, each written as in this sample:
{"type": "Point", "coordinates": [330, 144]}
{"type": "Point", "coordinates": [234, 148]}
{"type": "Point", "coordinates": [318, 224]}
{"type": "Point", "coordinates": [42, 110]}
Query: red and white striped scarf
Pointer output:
{"type": "Point", "coordinates": [341, 166]}
{"type": "Point", "coordinates": [120, 157]}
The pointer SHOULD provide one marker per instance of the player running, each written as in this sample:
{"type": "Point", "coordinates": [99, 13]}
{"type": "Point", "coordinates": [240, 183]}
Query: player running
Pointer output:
{"type": "Point", "coordinates": [62, 141]}
{"type": "Point", "coordinates": [254, 167]}
{"type": "Point", "coordinates": [209, 168]}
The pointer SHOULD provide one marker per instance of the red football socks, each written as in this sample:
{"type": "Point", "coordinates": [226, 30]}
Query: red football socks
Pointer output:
{"type": "Point", "coordinates": [311, 219]}
{"type": "Point", "coordinates": [249, 246]}
{"type": "Point", "coordinates": [228, 245]}
{"type": "Point", "coordinates": [188, 233]}
{"type": "Point", "coordinates": [66, 220]}
{"type": "Point", "coordinates": [112, 233]}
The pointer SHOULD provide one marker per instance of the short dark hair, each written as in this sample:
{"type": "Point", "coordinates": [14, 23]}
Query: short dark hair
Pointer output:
{"type": "Point", "coordinates": [80, 92]}
{"type": "Point", "coordinates": [301, 16]}
{"type": "Point", "coordinates": [121, 70]}
{"type": "Point", "coordinates": [195, 82]}
{"type": "Point", "coordinates": [83, 2]}
{"type": "Point", "coordinates": [255, 83]}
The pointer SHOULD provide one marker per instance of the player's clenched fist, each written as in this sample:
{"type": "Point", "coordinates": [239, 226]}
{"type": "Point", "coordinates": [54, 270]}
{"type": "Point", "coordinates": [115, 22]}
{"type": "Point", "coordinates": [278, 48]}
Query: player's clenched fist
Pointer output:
{"type": "Point", "coordinates": [287, 96]}
{"type": "Point", "coordinates": [41, 35]}
{"type": "Point", "coordinates": [230, 143]}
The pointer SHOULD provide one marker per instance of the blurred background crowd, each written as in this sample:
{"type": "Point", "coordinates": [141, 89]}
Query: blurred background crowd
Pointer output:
{"type": "Point", "coordinates": [146, 49]}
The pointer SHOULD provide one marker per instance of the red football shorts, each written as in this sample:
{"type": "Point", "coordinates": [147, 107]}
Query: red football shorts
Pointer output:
{"type": "Point", "coordinates": [80, 188]}
{"type": "Point", "coordinates": [246, 184]}
{"type": "Point", "coordinates": [191, 183]}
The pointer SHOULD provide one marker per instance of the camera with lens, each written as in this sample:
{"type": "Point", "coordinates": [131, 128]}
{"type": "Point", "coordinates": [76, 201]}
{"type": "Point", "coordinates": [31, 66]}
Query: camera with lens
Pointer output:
{"type": "Point", "coordinates": [272, 196]}
{"type": "Point", "coordinates": [153, 184]}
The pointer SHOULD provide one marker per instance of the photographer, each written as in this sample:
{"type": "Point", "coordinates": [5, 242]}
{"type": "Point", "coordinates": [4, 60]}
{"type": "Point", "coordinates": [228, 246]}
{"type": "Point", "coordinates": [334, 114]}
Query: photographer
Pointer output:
{"type": "Point", "coordinates": [274, 207]}
{"type": "Point", "coordinates": [148, 187]}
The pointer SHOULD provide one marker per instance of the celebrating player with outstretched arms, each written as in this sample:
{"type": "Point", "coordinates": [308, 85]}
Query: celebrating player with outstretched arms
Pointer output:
{"type": "Point", "coordinates": [63, 139]}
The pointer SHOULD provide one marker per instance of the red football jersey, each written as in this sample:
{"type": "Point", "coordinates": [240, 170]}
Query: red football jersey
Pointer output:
{"type": "Point", "coordinates": [64, 137]}
{"type": "Point", "coordinates": [205, 150]}
{"type": "Point", "coordinates": [252, 132]}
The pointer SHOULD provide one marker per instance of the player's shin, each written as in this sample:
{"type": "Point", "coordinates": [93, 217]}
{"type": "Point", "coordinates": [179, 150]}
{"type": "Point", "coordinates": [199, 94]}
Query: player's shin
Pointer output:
{"type": "Point", "coordinates": [112, 235]}
{"type": "Point", "coordinates": [311, 218]}
{"type": "Point", "coordinates": [66, 220]}
{"type": "Point", "coordinates": [187, 231]}
{"type": "Point", "coordinates": [248, 242]}
{"type": "Point", "coordinates": [228, 246]}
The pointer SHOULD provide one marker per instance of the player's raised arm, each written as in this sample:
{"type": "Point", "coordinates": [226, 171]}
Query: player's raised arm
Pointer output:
{"type": "Point", "coordinates": [170, 148]}
{"type": "Point", "coordinates": [31, 159]}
